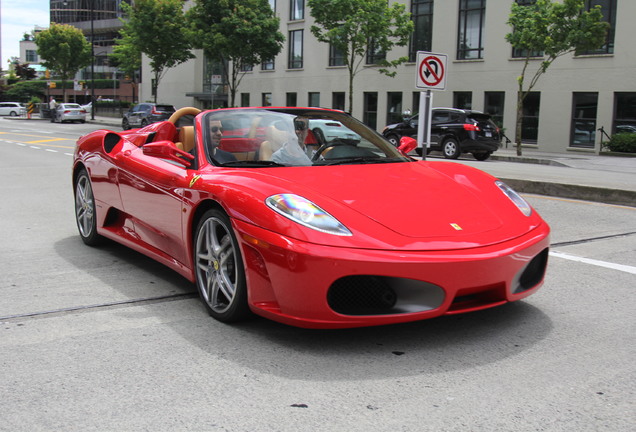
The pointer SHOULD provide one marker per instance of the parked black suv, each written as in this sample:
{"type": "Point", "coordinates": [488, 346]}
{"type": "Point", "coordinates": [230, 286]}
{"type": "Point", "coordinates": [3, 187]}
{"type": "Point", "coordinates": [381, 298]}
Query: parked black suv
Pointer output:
{"type": "Point", "coordinates": [453, 131]}
{"type": "Point", "coordinates": [143, 114]}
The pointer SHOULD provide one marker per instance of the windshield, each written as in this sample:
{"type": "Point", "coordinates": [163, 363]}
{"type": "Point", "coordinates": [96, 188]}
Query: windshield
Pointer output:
{"type": "Point", "coordinates": [262, 137]}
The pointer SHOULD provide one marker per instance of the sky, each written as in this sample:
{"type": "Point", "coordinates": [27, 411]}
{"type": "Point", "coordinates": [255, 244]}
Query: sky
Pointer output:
{"type": "Point", "coordinates": [19, 17]}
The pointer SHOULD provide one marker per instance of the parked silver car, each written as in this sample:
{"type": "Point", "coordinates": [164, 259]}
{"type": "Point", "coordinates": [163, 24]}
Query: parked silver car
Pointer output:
{"type": "Point", "coordinates": [12, 109]}
{"type": "Point", "coordinates": [70, 112]}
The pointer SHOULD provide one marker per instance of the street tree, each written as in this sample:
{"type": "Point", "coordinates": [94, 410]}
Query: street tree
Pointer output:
{"type": "Point", "coordinates": [355, 28]}
{"type": "Point", "coordinates": [25, 72]}
{"type": "Point", "coordinates": [64, 50]}
{"type": "Point", "coordinates": [548, 30]}
{"type": "Point", "coordinates": [155, 28]}
{"type": "Point", "coordinates": [237, 34]}
{"type": "Point", "coordinates": [126, 57]}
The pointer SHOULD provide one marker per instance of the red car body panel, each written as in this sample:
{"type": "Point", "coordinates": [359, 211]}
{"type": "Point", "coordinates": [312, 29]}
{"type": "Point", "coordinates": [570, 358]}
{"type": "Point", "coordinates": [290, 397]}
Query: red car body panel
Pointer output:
{"type": "Point", "coordinates": [444, 225]}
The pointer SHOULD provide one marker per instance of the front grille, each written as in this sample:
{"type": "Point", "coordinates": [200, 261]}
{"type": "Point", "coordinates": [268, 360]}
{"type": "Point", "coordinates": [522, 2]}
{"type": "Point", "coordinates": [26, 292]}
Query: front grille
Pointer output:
{"type": "Point", "coordinates": [533, 273]}
{"type": "Point", "coordinates": [382, 295]}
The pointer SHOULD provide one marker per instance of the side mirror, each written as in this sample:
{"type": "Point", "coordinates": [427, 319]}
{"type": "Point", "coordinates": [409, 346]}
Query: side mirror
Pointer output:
{"type": "Point", "coordinates": [407, 145]}
{"type": "Point", "coordinates": [167, 150]}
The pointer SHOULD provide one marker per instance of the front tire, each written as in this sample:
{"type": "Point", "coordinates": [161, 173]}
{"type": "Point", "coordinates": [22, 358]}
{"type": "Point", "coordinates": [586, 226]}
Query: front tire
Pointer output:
{"type": "Point", "coordinates": [450, 148]}
{"type": "Point", "coordinates": [85, 214]}
{"type": "Point", "coordinates": [394, 140]}
{"type": "Point", "coordinates": [220, 275]}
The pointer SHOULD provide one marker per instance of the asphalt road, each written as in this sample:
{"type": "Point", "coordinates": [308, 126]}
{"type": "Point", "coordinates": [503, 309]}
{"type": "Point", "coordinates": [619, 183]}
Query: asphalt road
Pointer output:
{"type": "Point", "coordinates": [104, 339]}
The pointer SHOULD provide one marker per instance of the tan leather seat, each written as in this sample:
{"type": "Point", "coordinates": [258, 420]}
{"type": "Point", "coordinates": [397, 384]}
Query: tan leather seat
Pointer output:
{"type": "Point", "coordinates": [185, 141]}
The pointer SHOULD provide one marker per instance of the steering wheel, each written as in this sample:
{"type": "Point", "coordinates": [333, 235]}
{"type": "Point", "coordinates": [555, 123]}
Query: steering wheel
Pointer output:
{"type": "Point", "coordinates": [176, 116]}
{"type": "Point", "coordinates": [325, 147]}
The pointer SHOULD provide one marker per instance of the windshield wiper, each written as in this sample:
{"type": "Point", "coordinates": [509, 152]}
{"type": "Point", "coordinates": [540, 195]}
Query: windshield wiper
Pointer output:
{"type": "Point", "coordinates": [259, 163]}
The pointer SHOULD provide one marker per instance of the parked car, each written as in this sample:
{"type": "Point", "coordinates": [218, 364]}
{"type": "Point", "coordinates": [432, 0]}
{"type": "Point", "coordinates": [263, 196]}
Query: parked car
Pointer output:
{"type": "Point", "coordinates": [320, 241]}
{"type": "Point", "coordinates": [12, 109]}
{"type": "Point", "coordinates": [69, 112]}
{"type": "Point", "coordinates": [144, 114]}
{"type": "Point", "coordinates": [88, 107]}
{"type": "Point", "coordinates": [625, 129]}
{"type": "Point", "coordinates": [327, 131]}
{"type": "Point", "coordinates": [453, 132]}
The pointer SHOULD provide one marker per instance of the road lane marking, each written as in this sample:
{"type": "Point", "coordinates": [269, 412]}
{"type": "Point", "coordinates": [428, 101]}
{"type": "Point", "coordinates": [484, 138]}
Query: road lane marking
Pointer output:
{"type": "Point", "coordinates": [48, 140]}
{"type": "Point", "coordinates": [609, 265]}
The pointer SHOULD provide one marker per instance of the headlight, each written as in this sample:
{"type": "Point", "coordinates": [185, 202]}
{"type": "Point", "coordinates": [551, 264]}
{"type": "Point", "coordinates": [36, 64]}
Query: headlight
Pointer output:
{"type": "Point", "coordinates": [306, 213]}
{"type": "Point", "coordinates": [515, 198]}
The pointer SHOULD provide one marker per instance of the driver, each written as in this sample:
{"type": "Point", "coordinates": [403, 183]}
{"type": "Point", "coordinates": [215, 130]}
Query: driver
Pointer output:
{"type": "Point", "coordinates": [212, 146]}
{"type": "Point", "coordinates": [294, 150]}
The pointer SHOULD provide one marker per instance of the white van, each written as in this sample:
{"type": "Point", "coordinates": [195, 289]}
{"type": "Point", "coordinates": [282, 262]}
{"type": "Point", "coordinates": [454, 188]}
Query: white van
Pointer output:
{"type": "Point", "coordinates": [12, 109]}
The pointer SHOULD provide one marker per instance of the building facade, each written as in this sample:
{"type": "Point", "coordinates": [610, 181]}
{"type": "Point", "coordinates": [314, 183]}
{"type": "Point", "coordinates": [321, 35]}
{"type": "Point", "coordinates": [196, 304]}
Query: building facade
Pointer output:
{"type": "Point", "coordinates": [580, 93]}
{"type": "Point", "coordinates": [99, 20]}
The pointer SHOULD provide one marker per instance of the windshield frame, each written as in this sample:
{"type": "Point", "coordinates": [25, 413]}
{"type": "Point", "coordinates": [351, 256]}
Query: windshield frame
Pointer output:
{"type": "Point", "coordinates": [257, 125]}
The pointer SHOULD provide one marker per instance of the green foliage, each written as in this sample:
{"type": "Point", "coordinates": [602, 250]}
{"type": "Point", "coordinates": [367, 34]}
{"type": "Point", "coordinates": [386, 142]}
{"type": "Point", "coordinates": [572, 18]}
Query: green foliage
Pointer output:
{"type": "Point", "coordinates": [23, 91]}
{"type": "Point", "coordinates": [63, 49]}
{"type": "Point", "coordinates": [25, 72]}
{"type": "Point", "coordinates": [350, 25]}
{"type": "Point", "coordinates": [243, 32]}
{"type": "Point", "coordinates": [126, 55]}
{"type": "Point", "coordinates": [554, 29]}
{"type": "Point", "coordinates": [624, 142]}
{"type": "Point", "coordinates": [156, 28]}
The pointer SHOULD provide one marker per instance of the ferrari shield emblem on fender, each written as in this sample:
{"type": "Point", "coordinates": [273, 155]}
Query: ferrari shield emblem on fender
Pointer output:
{"type": "Point", "coordinates": [457, 227]}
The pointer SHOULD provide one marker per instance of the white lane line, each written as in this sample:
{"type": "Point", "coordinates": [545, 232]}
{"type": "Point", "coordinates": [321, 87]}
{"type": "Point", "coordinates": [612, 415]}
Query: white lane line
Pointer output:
{"type": "Point", "coordinates": [609, 265]}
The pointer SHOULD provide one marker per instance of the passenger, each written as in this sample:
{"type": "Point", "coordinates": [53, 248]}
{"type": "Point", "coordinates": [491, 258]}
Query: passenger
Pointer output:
{"type": "Point", "coordinates": [294, 151]}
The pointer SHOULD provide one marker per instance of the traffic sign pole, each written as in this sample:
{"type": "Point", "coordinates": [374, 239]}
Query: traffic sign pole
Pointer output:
{"type": "Point", "coordinates": [431, 75]}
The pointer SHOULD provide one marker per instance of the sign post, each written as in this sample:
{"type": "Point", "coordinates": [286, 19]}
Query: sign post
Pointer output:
{"type": "Point", "coordinates": [431, 75]}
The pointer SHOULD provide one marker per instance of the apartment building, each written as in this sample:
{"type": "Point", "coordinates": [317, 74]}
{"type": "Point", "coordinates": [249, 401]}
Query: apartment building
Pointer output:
{"type": "Point", "coordinates": [578, 95]}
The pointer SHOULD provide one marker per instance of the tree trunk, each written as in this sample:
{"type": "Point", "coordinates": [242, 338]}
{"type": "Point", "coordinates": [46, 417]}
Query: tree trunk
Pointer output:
{"type": "Point", "coordinates": [518, 131]}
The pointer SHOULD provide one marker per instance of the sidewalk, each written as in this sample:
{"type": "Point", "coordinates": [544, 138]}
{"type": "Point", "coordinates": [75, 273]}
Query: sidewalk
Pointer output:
{"type": "Point", "coordinates": [585, 176]}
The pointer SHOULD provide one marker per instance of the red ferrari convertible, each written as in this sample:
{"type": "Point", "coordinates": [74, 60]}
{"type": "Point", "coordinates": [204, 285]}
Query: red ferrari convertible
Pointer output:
{"type": "Point", "coordinates": [269, 214]}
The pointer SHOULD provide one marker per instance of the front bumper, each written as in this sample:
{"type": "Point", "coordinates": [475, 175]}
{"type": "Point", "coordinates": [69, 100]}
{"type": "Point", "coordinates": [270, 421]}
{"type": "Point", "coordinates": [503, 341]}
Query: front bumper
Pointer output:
{"type": "Point", "coordinates": [315, 286]}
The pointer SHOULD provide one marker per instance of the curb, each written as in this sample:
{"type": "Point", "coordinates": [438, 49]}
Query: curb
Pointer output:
{"type": "Point", "coordinates": [585, 193]}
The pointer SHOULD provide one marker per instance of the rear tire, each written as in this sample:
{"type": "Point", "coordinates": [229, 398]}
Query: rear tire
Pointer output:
{"type": "Point", "coordinates": [481, 156]}
{"type": "Point", "coordinates": [85, 214]}
{"type": "Point", "coordinates": [394, 140]}
{"type": "Point", "coordinates": [125, 125]}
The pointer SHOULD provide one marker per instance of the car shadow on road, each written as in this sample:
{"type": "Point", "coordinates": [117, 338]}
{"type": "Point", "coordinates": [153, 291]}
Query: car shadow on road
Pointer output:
{"type": "Point", "coordinates": [434, 346]}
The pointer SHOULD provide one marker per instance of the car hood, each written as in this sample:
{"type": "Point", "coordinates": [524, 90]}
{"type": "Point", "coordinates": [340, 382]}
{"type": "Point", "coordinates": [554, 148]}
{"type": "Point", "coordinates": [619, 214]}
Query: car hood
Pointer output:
{"type": "Point", "coordinates": [415, 205]}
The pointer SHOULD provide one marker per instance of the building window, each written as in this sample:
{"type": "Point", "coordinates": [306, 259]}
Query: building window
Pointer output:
{"type": "Point", "coordinates": [494, 105]}
{"type": "Point", "coordinates": [314, 99]}
{"type": "Point", "coordinates": [394, 107]}
{"type": "Point", "coordinates": [296, 10]}
{"type": "Point", "coordinates": [267, 65]}
{"type": "Point", "coordinates": [295, 49]}
{"type": "Point", "coordinates": [472, 15]}
{"type": "Point", "coordinates": [463, 100]}
{"type": "Point", "coordinates": [291, 100]}
{"type": "Point", "coordinates": [624, 112]}
{"type": "Point", "coordinates": [336, 56]}
{"type": "Point", "coordinates": [583, 131]}
{"type": "Point", "coordinates": [272, 4]}
{"type": "Point", "coordinates": [31, 56]}
{"type": "Point", "coordinates": [416, 103]}
{"type": "Point", "coordinates": [374, 53]}
{"type": "Point", "coordinates": [338, 100]}
{"type": "Point", "coordinates": [245, 99]}
{"type": "Point", "coordinates": [530, 118]}
{"type": "Point", "coordinates": [422, 37]}
{"type": "Point", "coordinates": [247, 68]}
{"type": "Point", "coordinates": [370, 109]}
{"type": "Point", "coordinates": [266, 99]}
{"type": "Point", "coordinates": [608, 9]}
